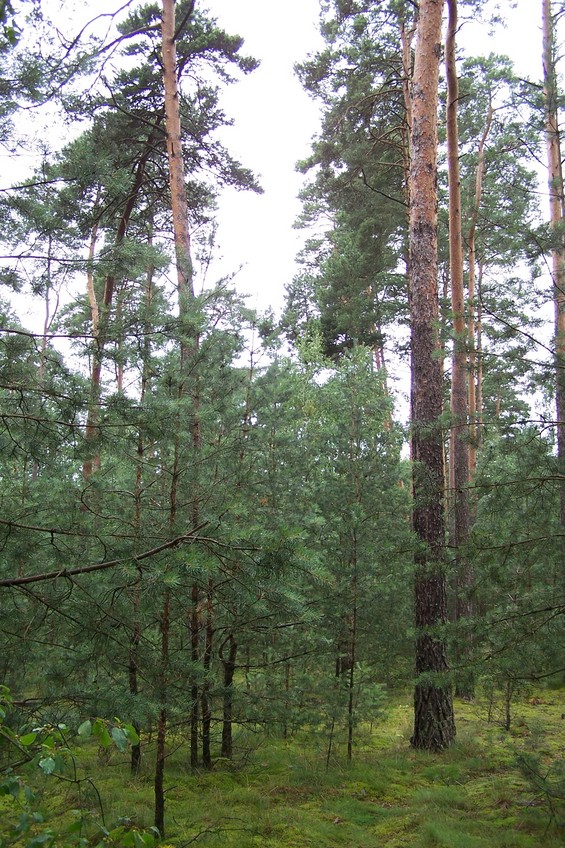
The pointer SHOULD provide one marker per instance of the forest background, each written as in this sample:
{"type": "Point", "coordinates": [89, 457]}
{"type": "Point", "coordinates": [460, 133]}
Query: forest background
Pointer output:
{"type": "Point", "coordinates": [208, 521]}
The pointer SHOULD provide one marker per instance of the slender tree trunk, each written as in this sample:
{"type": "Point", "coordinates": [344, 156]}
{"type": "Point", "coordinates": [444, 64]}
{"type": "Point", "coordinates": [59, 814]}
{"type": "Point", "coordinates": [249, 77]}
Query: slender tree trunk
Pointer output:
{"type": "Point", "coordinates": [189, 342]}
{"type": "Point", "coordinates": [189, 337]}
{"type": "Point", "coordinates": [406, 38]}
{"type": "Point", "coordinates": [557, 223]}
{"type": "Point", "coordinates": [194, 657]}
{"type": "Point", "coordinates": [205, 698]}
{"type": "Point", "coordinates": [227, 725]}
{"type": "Point", "coordinates": [458, 466]}
{"type": "Point", "coordinates": [47, 321]}
{"type": "Point", "coordinates": [162, 723]}
{"type": "Point", "coordinates": [479, 351]}
{"type": "Point", "coordinates": [101, 312]}
{"type": "Point", "coordinates": [287, 674]}
{"type": "Point", "coordinates": [458, 442]}
{"type": "Point", "coordinates": [140, 451]}
{"type": "Point", "coordinates": [135, 760]}
{"type": "Point", "coordinates": [474, 433]}
{"type": "Point", "coordinates": [120, 342]}
{"type": "Point", "coordinates": [175, 156]}
{"type": "Point", "coordinates": [352, 653]}
{"type": "Point", "coordinates": [91, 463]}
{"type": "Point", "coordinates": [434, 725]}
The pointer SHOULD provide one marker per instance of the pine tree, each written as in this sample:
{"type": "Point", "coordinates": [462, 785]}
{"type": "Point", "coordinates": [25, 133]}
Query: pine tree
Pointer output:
{"type": "Point", "coordinates": [434, 726]}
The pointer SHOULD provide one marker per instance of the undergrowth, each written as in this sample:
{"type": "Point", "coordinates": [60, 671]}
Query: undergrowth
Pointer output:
{"type": "Point", "coordinates": [493, 789]}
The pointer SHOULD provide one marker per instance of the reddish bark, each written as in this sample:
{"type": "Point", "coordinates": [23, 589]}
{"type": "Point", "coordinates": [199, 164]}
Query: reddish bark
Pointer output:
{"type": "Point", "coordinates": [557, 223]}
{"type": "Point", "coordinates": [434, 726]}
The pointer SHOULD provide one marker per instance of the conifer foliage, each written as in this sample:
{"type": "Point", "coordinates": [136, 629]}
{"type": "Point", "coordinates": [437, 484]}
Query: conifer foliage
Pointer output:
{"type": "Point", "coordinates": [209, 525]}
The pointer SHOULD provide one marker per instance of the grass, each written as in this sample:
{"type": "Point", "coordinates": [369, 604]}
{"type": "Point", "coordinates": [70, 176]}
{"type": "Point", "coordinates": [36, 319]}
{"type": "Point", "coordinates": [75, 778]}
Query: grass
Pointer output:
{"type": "Point", "coordinates": [281, 795]}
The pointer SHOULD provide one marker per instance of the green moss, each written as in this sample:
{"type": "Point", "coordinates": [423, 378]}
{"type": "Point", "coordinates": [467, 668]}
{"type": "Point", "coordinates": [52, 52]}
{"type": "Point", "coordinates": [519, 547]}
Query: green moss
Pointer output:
{"type": "Point", "coordinates": [442, 798]}
{"type": "Point", "coordinates": [283, 796]}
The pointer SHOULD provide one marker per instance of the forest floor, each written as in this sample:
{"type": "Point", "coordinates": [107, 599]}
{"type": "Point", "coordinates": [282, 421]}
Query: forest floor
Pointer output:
{"type": "Point", "coordinates": [493, 789]}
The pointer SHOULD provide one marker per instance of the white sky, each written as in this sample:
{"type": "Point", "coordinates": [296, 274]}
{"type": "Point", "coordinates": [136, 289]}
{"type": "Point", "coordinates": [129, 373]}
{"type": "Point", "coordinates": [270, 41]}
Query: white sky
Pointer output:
{"type": "Point", "coordinates": [275, 121]}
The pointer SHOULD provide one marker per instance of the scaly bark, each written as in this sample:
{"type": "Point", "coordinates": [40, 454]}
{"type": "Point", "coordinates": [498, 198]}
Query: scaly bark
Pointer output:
{"type": "Point", "coordinates": [434, 725]}
{"type": "Point", "coordinates": [557, 223]}
{"type": "Point", "coordinates": [189, 338]}
{"type": "Point", "coordinates": [177, 183]}
{"type": "Point", "coordinates": [458, 438]}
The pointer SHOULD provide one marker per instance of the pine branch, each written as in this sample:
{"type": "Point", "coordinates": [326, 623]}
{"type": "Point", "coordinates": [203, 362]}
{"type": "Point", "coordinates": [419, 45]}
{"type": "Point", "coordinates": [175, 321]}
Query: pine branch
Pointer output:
{"type": "Point", "coordinates": [101, 566]}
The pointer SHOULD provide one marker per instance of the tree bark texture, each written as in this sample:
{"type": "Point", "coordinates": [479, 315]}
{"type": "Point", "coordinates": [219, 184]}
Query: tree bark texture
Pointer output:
{"type": "Point", "coordinates": [229, 672]}
{"type": "Point", "coordinates": [473, 304]}
{"type": "Point", "coordinates": [162, 723]}
{"type": "Point", "coordinates": [205, 697]}
{"type": "Point", "coordinates": [174, 153]}
{"type": "Point", "coordinates": [189, 339]}
{"type": "Point", "coordinates": [138, 517]}
{"type": "Point", "coordinates": [434, 726]}
{"type": "Point", "coordinates": [194, 628]}
{"type": "Point", "coordinates": [557, 223]}
{"type": "Point", "coordinates": [458, 439]}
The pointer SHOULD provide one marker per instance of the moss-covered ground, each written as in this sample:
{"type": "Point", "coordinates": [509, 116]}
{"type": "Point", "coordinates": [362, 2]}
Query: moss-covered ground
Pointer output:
{"type": "Point", "coordinates": [283, 794]}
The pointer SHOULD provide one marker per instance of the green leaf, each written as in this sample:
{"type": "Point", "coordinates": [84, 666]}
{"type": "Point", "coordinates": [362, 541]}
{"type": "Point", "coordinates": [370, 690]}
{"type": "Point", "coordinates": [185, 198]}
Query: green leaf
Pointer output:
{"type": "Point", "coordinates": [59, 762]}
{"type": "Point", "coordinates": [143, 840]}
{"type": "Point", "coordinates": [28, 739]}
{"type": "Point", "coordinates": [75, 827]}
{"type": "Point", "coordinates": [100, 731]}
{"type": "Point", "coordinates": [10, 786]}
{"type": "Point", "coordinates": [41, 839]}
{"type": "Point", "coordinates": [85, 729]}
{"type": "Point", "coordinates": [131, 734]}
{"type": "Point", "coordinates": [7, 733]}
{"type": "Point", "coordinates": [47, 765]}
{"type": "Point", "coordinates": [120, 739]}
{"type": "Point", "coordinates": [24, 822]}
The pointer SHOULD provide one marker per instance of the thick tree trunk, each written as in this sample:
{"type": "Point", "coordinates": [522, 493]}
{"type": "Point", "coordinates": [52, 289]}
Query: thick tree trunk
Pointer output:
{"type": "Point", "coordinates": [557, 222]}
{"type": "Point", "coordinates": [434, 725]}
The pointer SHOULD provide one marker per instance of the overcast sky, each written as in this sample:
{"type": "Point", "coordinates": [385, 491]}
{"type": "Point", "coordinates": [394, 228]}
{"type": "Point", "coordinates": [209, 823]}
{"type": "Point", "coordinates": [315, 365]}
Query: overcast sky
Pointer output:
{"type": "Point", "coordinates": [275, 122]}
